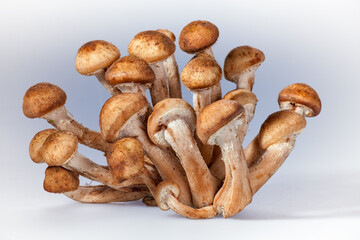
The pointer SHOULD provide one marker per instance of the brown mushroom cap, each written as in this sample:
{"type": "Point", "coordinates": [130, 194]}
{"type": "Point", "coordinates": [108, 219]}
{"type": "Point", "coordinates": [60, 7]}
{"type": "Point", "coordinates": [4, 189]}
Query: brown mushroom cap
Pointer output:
{"type": "Point", "coordinates": [215, 116]}
{"type": "Point", "coordinates": [168, 33]}
{"type": "Point", "coordinates": [279, 126]}
{"type": "Point", "coordinates": [117, 110]}
{"type": "Point", "coordinates": [201, 72]}
{"type": "Point", "coordinates": [125, 158]}
{"type": "Point", "coordinates": [129, 69]}
{"type": "Point", "coordinates": [301, 93]}
{"type": "Point", "coordinates": [41, 99]}
{"type": "Point", "coordinates": [242, 96]}
{"type": "Point", "coordinates": [36, 144]}
{"type": "Point", "coordinates": [163, 190]}
{"type": "Point", "coordinates": [165, 111]}
{"type": "Point", "coordinates": [240, 59]}
{"type": "Point", "coordinates": [197, 36]}
{"type": "Point", "coordinates": [59, 148]}
{"type": "Point", "coordinates": [60, 180]}
{"type": "Point", "coordinates": [94, 56]}
{"type": "Point", "coordinates": [151, 46]}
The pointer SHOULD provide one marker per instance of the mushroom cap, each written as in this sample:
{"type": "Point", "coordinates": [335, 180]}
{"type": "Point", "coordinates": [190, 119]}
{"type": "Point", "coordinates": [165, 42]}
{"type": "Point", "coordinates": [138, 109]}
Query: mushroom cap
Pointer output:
{"type": "Point", "coordinates": [129, 69]}
{"type": "Point", "coordinates": [168, 33]}
{"type": "Point", "coordinates": [201, 72]}
{"type": "Point", "coordinates": [41, 99]}
{"type": "Point", "coordinates": [215, 116]}
{"type": "Point", "coordinates": [279, 126]}
{"type": "Point", "coordinates": [125, 158]}
{"type": "Point", "coordinates": [164, 112]}
{"type": "Point", "coordinates": [94, 56]}
{"type": "Point", "coordinates": [197, 36]}
{"type": "Point", "coordinates": [242, 96]}
{"type": "Point", "coordinates": [60, 180]}
{"type": "Point", "coordinates": [36, 144]}
{"type": "Point", "coordinates": [301, 93]}
{"type": "Point", "coordinates": [241, 59]}
{"type": "Point", "coordinates": [59, 148]}
{"type": "Point", "coordinates": [117, 110]}
{"type": "Point", "coordinates": [163, 190]}
{"type": "Point", "coordinates": [151, 46]}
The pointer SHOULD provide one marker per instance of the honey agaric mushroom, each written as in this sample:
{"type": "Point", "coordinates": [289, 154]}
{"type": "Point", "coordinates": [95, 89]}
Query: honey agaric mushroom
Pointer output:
{"type": "Point", "coordinates": [168, 33]}
{"type": "Point", "coordinates": [45, 100]}
{"type": "Point", "coordinates": [166, 196]}
{"type": "Point", "coordinates": [172, 124]}
{"type": "Point", "coordinates": [36, 145]}
{"type": "Point", "coordinates": [124, 116]}
{"type": "Point", "coordinates": [126, 160]}
{"type": "Point", "coordinates": [60, 149]}
{"type": "Point", "coordinates": [94, 57]}
{"type": "Point", "coordinates": [130, 74]}
{"type": "Point", "coordinates": [240, 66]}
{"type": "Point", "coordinates": [158, 50]}
{"type": "Point", "coordinates": [219, 124]}
{"type": "Point", "coordinates": [301, 98]}
{"type": "Point", "coordinates": [61, 180]}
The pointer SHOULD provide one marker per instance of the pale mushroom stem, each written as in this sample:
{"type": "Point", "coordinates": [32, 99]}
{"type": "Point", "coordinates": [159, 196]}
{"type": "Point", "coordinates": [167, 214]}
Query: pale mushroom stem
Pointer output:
{"type": "Point", "coordinates": [148, 180]}
{"type": "Point", "coordinates": [61, 119]}
{"type": "Point", "coordinates": [269, 163]}
{"type": "Point", "coordinates": [201, 99]}
{"type": "Point", "coordinates": [209, 51]}
{"type": "Point", "coordinates": [245, 80]}
{"type": "Point", "coordinates": [102, 194]}
{"type": "Point", "coordinates": [203, 185]}
{"type": "Point", "coordinates": [253, 152]}
{"type": "Point", "coordinates": [133, 88]}
{"type": "Point", "coordinates": [216, 92]}
{"type": "Point", "coordinates": [172, 72]}
{"type": "Point", "coordinates": [101, 78]}
{"type": "Point", "coordinates": [159, 90]}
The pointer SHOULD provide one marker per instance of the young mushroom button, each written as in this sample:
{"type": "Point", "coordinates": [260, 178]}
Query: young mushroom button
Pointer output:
{"type": "Point", "coordinates": [172, 123]}
{"type": "Point", "coordinates": [36, 145]}
{"type": "Point", "coordinates": [94, 57]}
{"type": "Point", "coordinates": [219, 124]}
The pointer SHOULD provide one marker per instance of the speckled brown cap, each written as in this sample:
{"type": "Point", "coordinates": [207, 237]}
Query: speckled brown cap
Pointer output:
{"type": "Point", "coordinates": [41, 99]}
{"type": "Point", "coordinates": [301, 93]}
{"type": "Point", "coordinates": [59, 148]}
{"type": "Point", "coordinates": [129, 69]}
{"type": "Point", "coordinates": [168, 110]}
{"type": "Point", "coordinates": [125, 159]}
{"type": "Point", "coordinates": [201, 72]}
{"type": "Point", "coordinates": [279, 126]}
{"type": "Point", "coordinates": [60, 180]}
{"type": "Point", "coordinates": [94, 56]}
{"type": "Point", "coordinates": [241, 59]}
{"type": "Point", "coordinates": [151, 46]}
{"type": "Point", "coordinates": [215, 116]}
{"type": "Point", "coordinates": [242, 96]}
{"type": "Point", "coordinates": [117, 110]}
{"type": "Point", "coordinates": [197, 36]}
{"type": "Point", "coordinates": [168, 33]}
{"type": "Point", "coordinates": [36, 144]}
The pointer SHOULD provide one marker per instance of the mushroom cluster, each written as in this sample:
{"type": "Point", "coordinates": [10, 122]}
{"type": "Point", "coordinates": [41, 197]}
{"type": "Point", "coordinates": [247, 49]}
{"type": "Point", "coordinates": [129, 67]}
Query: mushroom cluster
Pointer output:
{"type": "Point", "coordinates": [164, 151]}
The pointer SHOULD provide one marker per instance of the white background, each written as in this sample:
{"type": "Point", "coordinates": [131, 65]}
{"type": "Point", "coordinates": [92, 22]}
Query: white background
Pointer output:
{"type": "Point", "coordinates": [314, 195]}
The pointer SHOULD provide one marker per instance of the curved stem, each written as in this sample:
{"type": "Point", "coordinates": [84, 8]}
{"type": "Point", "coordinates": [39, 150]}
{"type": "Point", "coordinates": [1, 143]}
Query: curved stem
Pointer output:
{"type": "Point", "coordinates": [172, 72]}
{"type": "Point", "coordinates": [111, 89]}
{"type": "Point", "coordinates": [159, 90]}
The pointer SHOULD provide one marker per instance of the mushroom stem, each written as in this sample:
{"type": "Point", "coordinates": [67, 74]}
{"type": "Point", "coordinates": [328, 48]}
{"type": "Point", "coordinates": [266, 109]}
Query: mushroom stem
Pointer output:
{"type": "Point", "coordinates": [61, 119]}
{"type": "Point", "coordinates": [132, 88]}
{"type": "Point", "coordinates": [216, 92]}
{"type": "Point", "coordinates": [253, 152]}
{"type": "Point", "coordinates": [201, 99]}
{"type": "Point", "coordinates": [202, 184]}
{"type": "Point", "coordinates": [101, 78]}
{"type": "Point", "coordinates": [159, 90]}
{"type": "Point", "coordinates": [245, 80]}
{"type": "Point", "coordinates": [209, 51]}
{"type": "Point", "coordinates": [102, 194]}
{"type": "Point", "coordinates": [172, 72]}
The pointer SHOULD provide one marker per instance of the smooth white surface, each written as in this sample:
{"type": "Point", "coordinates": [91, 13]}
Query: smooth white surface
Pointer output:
{"type": "Point", "coordinates": [315, 194]}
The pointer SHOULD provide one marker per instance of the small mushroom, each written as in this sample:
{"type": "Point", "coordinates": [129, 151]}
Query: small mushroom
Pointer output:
{"type": "Point", "coordinates": [124, 116]}
{"type": "Point", "coordinates": [60, 180]}
{"type": "Point", "coordinates": [94, 57]}
{"type": "Point", "coordinates": [130, 74]}
{"type": "Point", "coordinates": [158, 50]}
{"type": "Point", "coordinates": [166, 196]}
{"type": "Point", "coordinates": [45, 100]}
{"type": "Point", "coordinates": [219, 124]}
{"type": "Point", "coordinates": [240, 66]}
{"type": "Point", "coordinates": [172, 124]}
{"type": "Point", "coordinates": [36, 145]}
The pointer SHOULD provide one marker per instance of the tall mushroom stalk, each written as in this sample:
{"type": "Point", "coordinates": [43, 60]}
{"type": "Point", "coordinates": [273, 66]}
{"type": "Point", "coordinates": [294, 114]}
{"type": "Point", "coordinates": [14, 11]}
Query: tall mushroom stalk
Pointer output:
{"type": "Point", "coordinates": [172, 124]}
{"type": "Point", "coordinates": [124, 116]}
{"type": "Point", "coordinates": [94, 57]}
{"type": "Point", "coordinates": [45, 100]}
